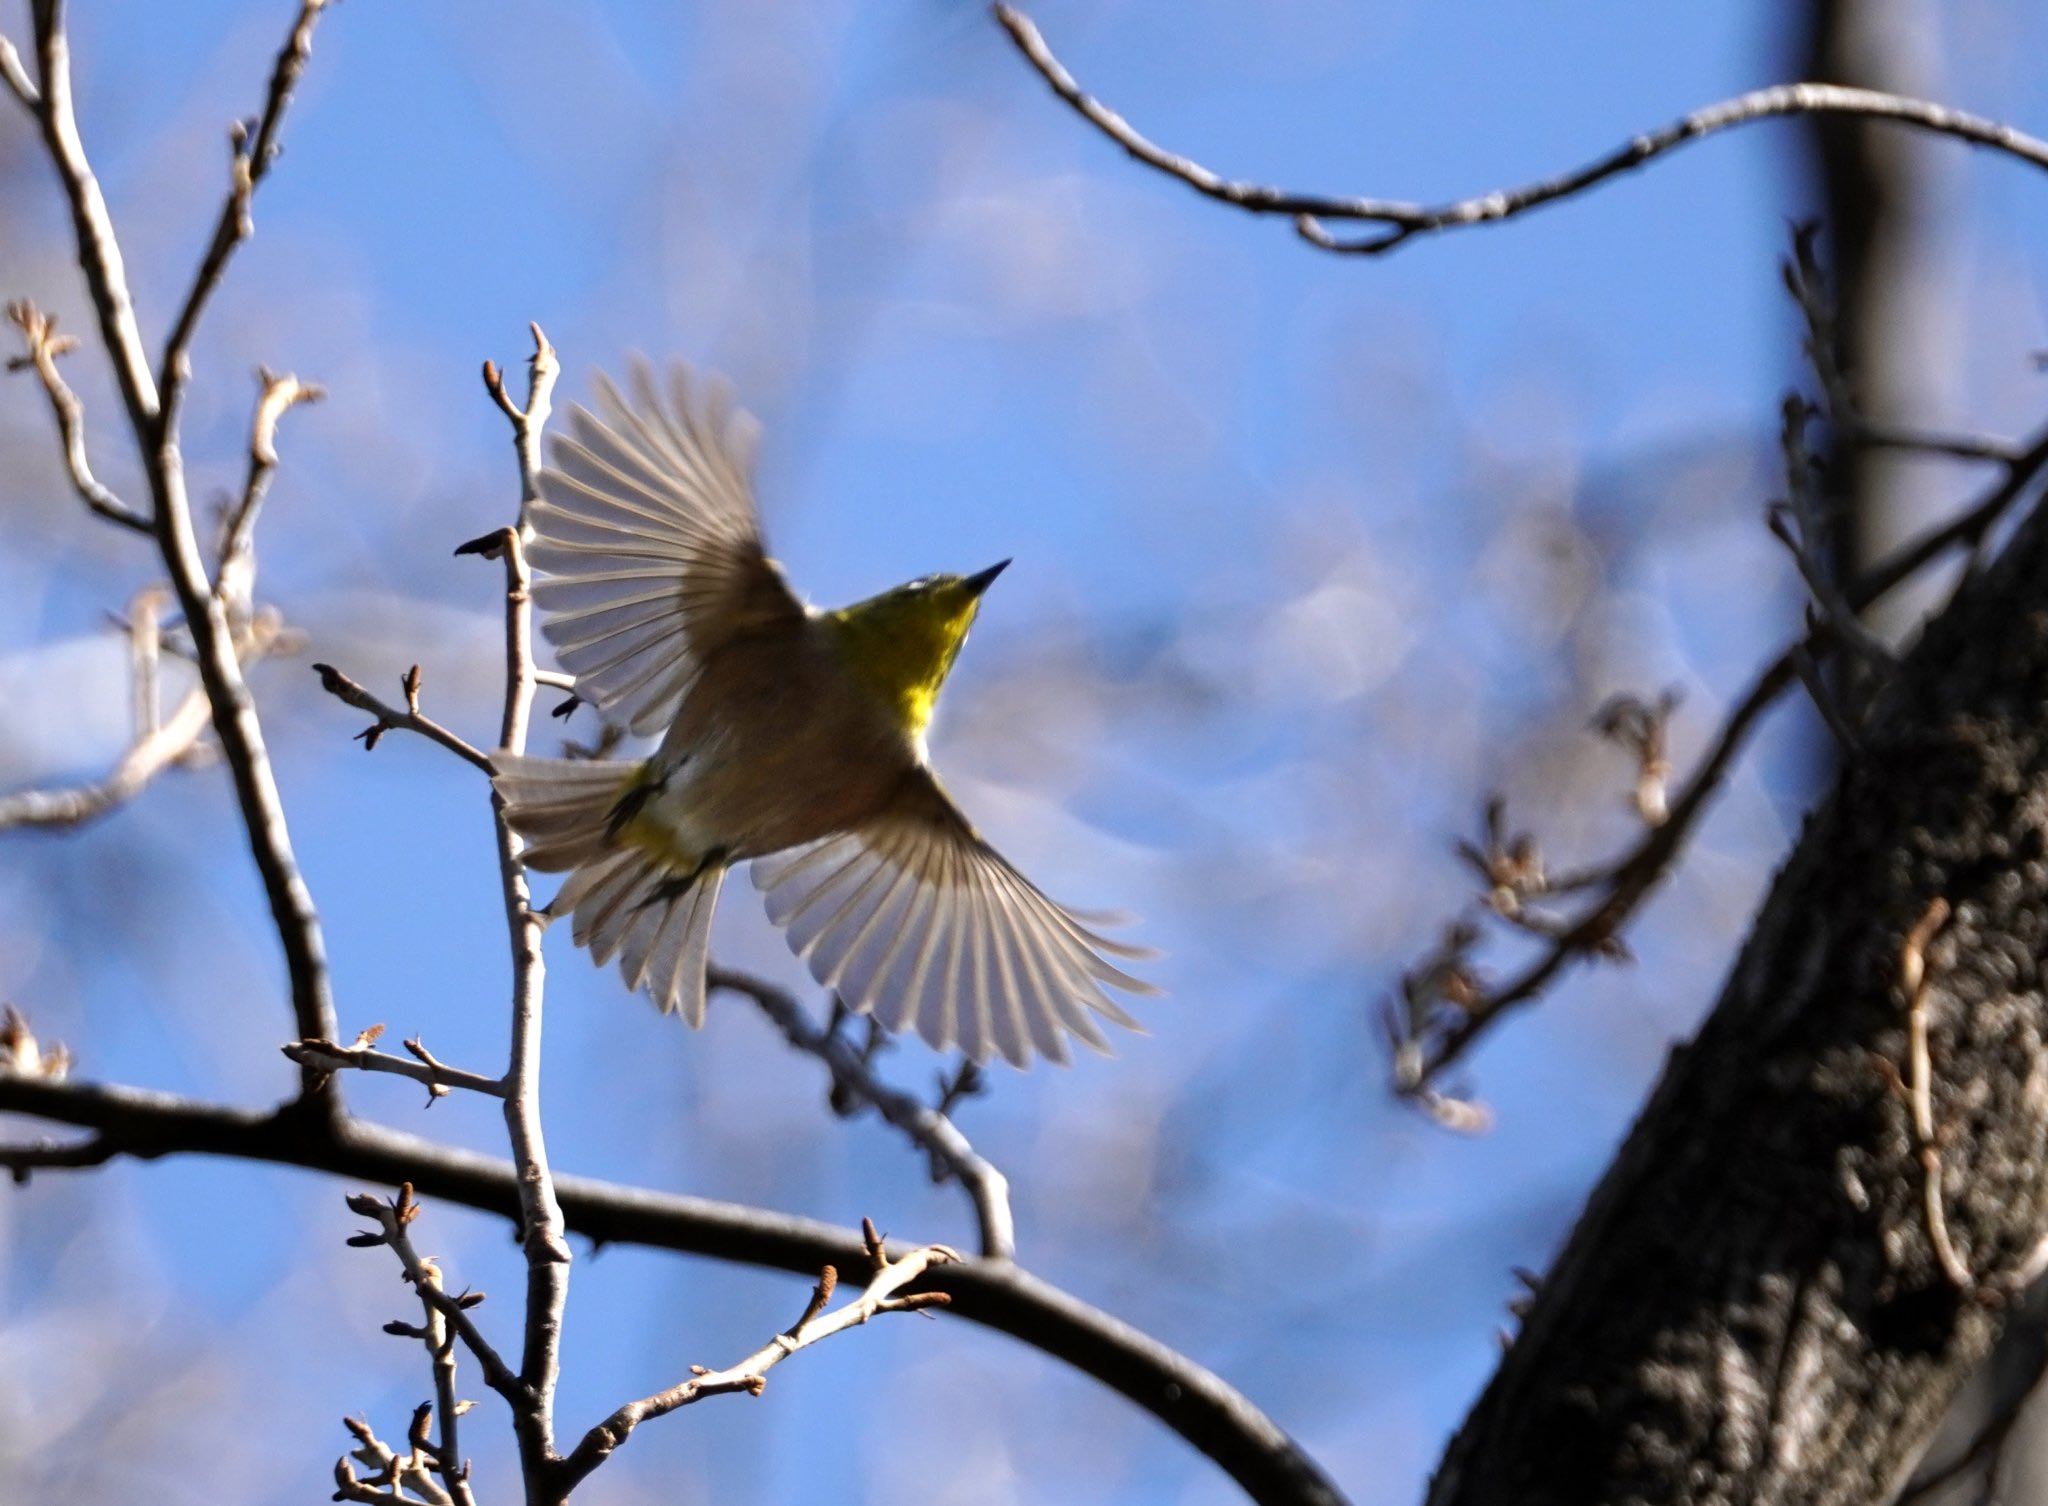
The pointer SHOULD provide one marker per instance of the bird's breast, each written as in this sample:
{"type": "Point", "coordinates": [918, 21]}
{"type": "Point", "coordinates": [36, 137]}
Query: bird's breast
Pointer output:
{"type": "Point", "coordinates": [777, 744]}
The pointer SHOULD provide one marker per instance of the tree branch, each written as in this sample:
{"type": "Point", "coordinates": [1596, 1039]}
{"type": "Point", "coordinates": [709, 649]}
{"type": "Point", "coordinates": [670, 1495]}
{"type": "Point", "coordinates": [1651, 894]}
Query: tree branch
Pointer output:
{"type": "Point", "coordinates": [547, 1252]}
{"type": "Point", "coordinates": [927, 1128]}
{"type": "Point", "coordinates": [1404, 220]}
{"type": "Point", "coordinates": [15, 76]}
{"type": "Point", "coordinates": [157, 744]}
{"type": "Point", "coordinates": [235, 576]}
{"type": "Point", "coordinates": [393, 1218]}
{"type": "Point", "coordinates": [155, 427]}
{"type": "Point", "coordinates": [389, 717]}
{"type": "Point", "coordinates": [39, 334]}
{"type": "Point", "coordinates": [148, 756]}
{"type": "Point", "coordinates": [422, 1066]}
{"type": "Point", "coordinates": [890, 1277]}
{"type": "Point", "coordinates": [1201, 1408]}
{"type": "Point", "coordinates": [255, 147]}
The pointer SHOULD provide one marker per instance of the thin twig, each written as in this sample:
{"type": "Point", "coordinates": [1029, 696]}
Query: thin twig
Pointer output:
{"type": "Point", "coordinates": [926, 1127]}
{"type": "Point", "coordinates": [530, 421]}
{"type": "Point", "coordinates": [254, 148]}
{"type": "Point", "coordinates": [421, 1066]}
{"type": "Point", "coordinates": [751, 1374]}
{"type": "Point", "coordinates": [145, 660]}
{"type": "Point", "coordinates": [21, 1161]}
{"type": "Point", "coordinates": [433, 1470]}
{"type": "Point", "coordinates": [44, 346]}
{"type": "Point", "coordinates": [235, 575]}
{"type": "Point", "coordinates": [148, 755]}
{"type": "Point", "coordinates": [15, 76]}
{"type": "Point", "coordinates": [1986, 449]}
{"type": "Point", "coordinates": [396, 1473]}
{"type": "Point", "coordinates": [393, 1217]}
{"type": "Point", "coordinates": [1405, 220]}
{"type": "Point", "coordinates": [390, 718]}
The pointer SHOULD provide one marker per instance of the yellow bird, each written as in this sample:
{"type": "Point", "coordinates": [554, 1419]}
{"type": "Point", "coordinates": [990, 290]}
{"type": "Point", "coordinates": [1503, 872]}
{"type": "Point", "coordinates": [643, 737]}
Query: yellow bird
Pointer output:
{"type": "Point", "coordinates": [794, 740]}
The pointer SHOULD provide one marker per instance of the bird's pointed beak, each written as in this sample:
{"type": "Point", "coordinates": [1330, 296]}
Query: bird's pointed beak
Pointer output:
{"type": "Point", "coordinates": [980, 583]}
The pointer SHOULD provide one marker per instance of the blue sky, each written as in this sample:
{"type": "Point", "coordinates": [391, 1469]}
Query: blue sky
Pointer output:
{"type": "Point", "coordinates": [1311, 554]}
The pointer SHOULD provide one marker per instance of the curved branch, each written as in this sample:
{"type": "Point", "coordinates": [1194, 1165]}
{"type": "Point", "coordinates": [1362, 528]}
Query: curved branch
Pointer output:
{"type": "Point", "coordinates": [927, 1128]}
{"type": "Point", "coordinates": [44, 345]}
{"type": "Point", "coordinates": [1204, 1410]}
{"type": "Point", "coordinates": [1404, 219]}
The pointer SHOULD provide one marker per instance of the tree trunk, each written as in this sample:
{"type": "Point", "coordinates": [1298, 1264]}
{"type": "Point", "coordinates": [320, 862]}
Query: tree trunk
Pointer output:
{"type": "Point", "coordinates": [1877, 187]}
{"type": "Point", "coordinates": [1751, 1308]}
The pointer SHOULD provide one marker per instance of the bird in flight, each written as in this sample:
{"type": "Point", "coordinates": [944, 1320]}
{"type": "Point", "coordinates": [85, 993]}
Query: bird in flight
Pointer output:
{"type": "Point", "coordinates": [793, 740]}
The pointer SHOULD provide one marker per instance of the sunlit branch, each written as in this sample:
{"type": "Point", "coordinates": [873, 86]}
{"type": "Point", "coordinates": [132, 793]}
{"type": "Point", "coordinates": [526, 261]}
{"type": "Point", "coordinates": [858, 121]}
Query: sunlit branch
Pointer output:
{"type": "Point", "coordinates": [1403, 220]}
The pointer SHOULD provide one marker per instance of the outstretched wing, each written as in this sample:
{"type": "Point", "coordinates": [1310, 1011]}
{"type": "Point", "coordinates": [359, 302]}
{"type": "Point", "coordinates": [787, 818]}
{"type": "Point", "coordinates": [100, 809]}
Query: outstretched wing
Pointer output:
{"type": "Point", "coordinates": [649, 544]}
{"type": "Point", "coordinates": [916, 918]}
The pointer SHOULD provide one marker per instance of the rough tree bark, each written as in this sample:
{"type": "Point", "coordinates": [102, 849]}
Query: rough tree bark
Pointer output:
{"type": "Point", "coordinates": [1751, 1308]}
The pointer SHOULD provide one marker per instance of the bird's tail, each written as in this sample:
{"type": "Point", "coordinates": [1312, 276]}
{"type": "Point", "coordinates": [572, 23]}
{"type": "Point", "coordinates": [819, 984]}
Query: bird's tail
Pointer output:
{"type": "Point", "coordinates": [633, 893]}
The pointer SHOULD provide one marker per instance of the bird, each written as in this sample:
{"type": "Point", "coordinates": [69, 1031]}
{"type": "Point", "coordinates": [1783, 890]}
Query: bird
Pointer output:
{"type": "Point", "coordinates": [792, 740]}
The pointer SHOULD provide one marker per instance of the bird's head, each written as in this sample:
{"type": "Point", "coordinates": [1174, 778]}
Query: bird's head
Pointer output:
{"type": "Point", "coordinates": [902, 643]}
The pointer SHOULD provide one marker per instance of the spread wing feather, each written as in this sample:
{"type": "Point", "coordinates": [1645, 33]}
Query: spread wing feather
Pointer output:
{"type": "Point", "coordinates": [649, 544]}
{"type": "Point", "coordinates": [913, 917]}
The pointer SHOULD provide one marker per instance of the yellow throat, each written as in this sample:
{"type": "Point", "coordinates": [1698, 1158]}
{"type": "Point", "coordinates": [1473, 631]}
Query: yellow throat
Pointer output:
{"type": "Point", "coordinates": [902, 643]}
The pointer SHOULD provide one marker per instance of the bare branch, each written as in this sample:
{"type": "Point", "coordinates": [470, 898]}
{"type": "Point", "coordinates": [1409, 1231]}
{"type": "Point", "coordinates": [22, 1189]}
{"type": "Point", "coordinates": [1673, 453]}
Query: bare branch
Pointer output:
{"type": "Point", "coordinates": [393, 1218]}
{"type": "Point", "coordinates": [235, 576]}
{"type": "Point", "coordinates": [147, 757]}
{"type": "Point", "coordinates": [394, 1473]}
{"type": "Point", "coordinates": [390, 718]}
{"type": "Point", "coordinates": [155, 748]}
{"type": "Point", "coordinates": [433, 1470]}
{"type": "Point", "coordinates": [926, 1127]}
{"type": "Point", "coordinates": [44, 345]}
{"type": "Point", "coordinates": [1311, 212]}
{"type": "Point", "coordinates": [528, 422]}
{"type": "Point", "coordinates": [1196, 1404]}
{"type": "Point", "coordinates": [541, 1224]}
{"type": "Point", "coordinates": [22, 1161]}
{"type": "Point", "coordinates": [1804, 525]}
{"type": "Point", "coordinates": [421, 1066]}
{"type": "Point", "coordinates": [15, 76]}
{"type": "Point", "coordinates": [751, 1374]}
{"type": "Point", "coordinates": [155, 428]}
{"type": "Point", "coordinates": [99, 248]}
{"type": "Point", "coordinates": [254, 148]}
